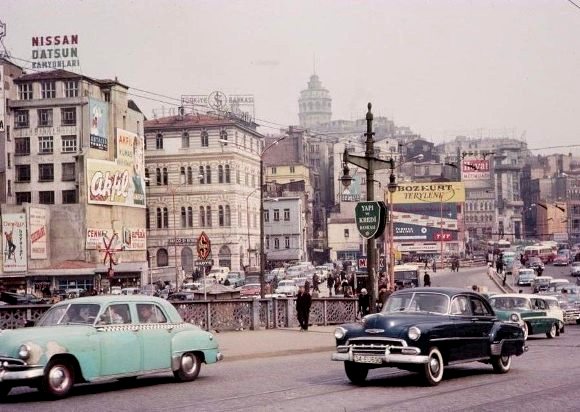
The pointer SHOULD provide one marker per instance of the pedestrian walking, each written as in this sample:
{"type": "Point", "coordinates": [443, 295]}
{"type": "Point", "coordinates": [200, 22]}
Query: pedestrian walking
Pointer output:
{"type": "Point", "coordinates": [315, 283]}
{"type": "Point", "coordinates": [303, 302]}
{"type": "Point", "coordinates": [330, 284]}
{"type": "Point", "coordinates": [364, 303]}
{"type": "Point", "coordinates": [434, 266]}
{"type": "Point", "coordinates": [426, 279]}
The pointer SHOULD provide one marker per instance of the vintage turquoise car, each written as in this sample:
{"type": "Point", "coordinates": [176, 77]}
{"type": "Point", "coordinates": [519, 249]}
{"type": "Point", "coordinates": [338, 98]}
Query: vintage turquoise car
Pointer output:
{"type": "Point", "coordinates": [534, 313]}
{"type": "Point", "coordinates": [425, 330]}
{"type": "Point", "coordinates": [101, 338]}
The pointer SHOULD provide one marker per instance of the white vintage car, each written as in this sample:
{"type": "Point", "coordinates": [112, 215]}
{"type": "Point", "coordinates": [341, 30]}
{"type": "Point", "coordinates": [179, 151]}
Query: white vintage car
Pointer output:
{"type": "Point", "coordinates": [287, 287]}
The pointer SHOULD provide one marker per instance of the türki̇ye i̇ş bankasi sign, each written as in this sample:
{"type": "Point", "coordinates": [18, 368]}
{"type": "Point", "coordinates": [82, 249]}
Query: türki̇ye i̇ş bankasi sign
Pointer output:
{"type": "Point", "coordinates": [370, 218]}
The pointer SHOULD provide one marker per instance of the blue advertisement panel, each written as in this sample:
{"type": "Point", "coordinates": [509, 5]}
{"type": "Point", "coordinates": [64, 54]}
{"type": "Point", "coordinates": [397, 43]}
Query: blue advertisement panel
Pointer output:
{"type": "Point", "coordinates": [425, 222]}
{"type": "Point", "coordinates": [99, 124]}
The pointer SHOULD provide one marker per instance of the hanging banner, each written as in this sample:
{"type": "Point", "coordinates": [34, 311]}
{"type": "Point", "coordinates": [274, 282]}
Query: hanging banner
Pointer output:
{"type": "Point", "coordinates": [99, 124]}
{"type": "Point", "coordinates": [112, 184]}
{"type": "Point", "coordinates": [134, 238]}
{"type": "Point", "coordinates": [38, 233]}
{"type": "Point", "coordinates": [2, 100]}
{"type": "Point", "coordinates": [14, 242]}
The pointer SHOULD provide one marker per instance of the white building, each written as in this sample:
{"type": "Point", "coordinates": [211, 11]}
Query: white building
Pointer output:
{"type": "Point", "coordinates": [284, 229]}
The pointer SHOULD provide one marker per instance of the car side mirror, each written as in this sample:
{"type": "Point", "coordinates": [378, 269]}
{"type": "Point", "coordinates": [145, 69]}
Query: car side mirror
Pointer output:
{"type": "Point", "coordinates": [29, 323]}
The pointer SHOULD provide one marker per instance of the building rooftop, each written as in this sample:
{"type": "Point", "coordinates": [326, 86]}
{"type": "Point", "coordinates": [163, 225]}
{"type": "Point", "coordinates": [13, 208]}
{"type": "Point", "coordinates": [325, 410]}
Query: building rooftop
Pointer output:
{"type": "Point", "coordinates": [193, 120]}
{"type": "Point", "coordinates": [61, 74]}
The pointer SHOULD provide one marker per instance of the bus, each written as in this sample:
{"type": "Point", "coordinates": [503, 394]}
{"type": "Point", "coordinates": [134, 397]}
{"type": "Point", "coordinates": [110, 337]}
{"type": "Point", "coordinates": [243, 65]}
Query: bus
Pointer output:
{"type": "Point", "coordinates": [498, 246]}
{"type": "Point", "coordinates": [406, 276]}
{"type": "Point", "coordinates": [544, 252]}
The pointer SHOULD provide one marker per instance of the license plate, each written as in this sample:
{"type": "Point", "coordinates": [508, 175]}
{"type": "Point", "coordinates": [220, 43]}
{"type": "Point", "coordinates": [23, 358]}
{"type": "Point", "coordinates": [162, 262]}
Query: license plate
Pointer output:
{"type": "Point", "coordinates": [368, 359]}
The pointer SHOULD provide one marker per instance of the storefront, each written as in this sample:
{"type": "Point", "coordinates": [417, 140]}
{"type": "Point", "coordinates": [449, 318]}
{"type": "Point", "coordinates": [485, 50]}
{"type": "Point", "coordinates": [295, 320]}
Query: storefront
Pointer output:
{"type": "Point", "coordinates": [124, 275]}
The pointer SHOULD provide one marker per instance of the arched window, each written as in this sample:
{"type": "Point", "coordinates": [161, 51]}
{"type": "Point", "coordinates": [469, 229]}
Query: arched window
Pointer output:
{"type": "Point", "coordinates": [204, 138]}
{"type": "Point", "coordinates": [189, 216]}
{"type": "Point", "coordinates": [159, 141]}
{"type": "Point", "coordinates": [158, 176]}
{"type": "Point", "coordinates": [146, 176]}
{"type": "Point", "coordinates": [182, 174]}
{"type": "Point", "coordinates": [183, 216]}
{"type": "Point", "coordinates": [224, 137]}
{"type": "Point", "coordinates": [165, 218]}
{"type": "Point", "coordinates": [159, 218]}
{"type": "Point", "coordinates": [276, 243]}
{"type": "Point", "coordinates": [162, 258]}
{"type": "Point", "coordinates": [147, 217]}
{"type": "Point", "coordinates": [202, 216]}
{"type": "Point", "coordinates": [238, 178]}
{"type": "Point", "coordinates": [185, 140]}
{"type": "Point", "coordinates": [201, 175]}
{"type": "Point", "coordinates": [208, 174]}
{"type": "Point", "coordinates": [208, 216]}
{"type": "Point", "coordinates": [228, 220]}
{"type": "Point", "coordinates": [189, 175]}
{"type": "Point", "coordinates": [165, 177]}
{"type": "Point", "coordinates": [187, 259]}
{"type": "Point", "coordinates": [227, 169]}
{"type": "Point", "coordinates": [221, 215]}
{"type": "Point", "coordinates": [220, 174]}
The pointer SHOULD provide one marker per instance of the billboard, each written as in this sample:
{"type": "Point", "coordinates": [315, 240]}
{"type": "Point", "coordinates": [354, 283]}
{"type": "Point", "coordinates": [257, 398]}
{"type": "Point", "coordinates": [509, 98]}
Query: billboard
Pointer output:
{"type": "Point", "coordinates": [94, 238]}
{"type": "Point", "coordinates": [352, 192]}
{"type": "Point", "coordinates": [14, 242]}
{"type": "Point", "coordinates": [475, 169]}
{"type": "Point", "coordinates": [134, 238]}
{"type": "Point", "coordinates": [99, 124]}
{"type": "Point", "coordinates": [2, 100]}
{"type": "Point", "coordinates": [55, 52]}
{"type": "Point", "coordinates": [112, 184]}
{"type": "Point", "coordinates": [38, 233]}
{"type": "Point", "coordinates": [131, 154]}
{"type": "Point", "coordinates": [437, 192]}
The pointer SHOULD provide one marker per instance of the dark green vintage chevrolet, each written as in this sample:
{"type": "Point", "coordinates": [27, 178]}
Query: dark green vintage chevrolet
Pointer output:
{"type": "Point", "coordinates": [426, 329]}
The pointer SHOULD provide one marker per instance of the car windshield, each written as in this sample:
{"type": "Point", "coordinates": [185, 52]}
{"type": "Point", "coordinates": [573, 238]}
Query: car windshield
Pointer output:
{"type": "Point", "coordinates": [74, 314]}
{"type": "Point", "coordinates": [504, 303]}
{"type": "Point", "coordinates": [417, 302]}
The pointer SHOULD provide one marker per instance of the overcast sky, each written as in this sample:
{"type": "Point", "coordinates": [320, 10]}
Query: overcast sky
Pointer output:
{"type": "Point", "coordinates": [442, 67]}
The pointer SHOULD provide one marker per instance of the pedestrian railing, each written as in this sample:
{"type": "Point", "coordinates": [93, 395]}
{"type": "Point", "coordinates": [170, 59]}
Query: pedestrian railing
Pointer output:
{"type": "Point", "coordinates": [231, 314]}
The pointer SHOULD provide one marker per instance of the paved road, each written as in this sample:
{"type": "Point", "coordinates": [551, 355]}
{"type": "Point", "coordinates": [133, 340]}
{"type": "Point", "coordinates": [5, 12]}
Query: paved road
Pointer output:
{"type": "Point", "coordinates": [545, 378]}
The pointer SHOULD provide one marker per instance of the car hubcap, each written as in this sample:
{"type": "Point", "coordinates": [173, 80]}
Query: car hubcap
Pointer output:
{"type": "Point", "coordinates": [434, 366]}
{"type": "Point", "coordinates": [505, 360]}
{"type": "Point", "coordinates": [58, 378]}
{"type": "Point", "coordinates": [187, 363]}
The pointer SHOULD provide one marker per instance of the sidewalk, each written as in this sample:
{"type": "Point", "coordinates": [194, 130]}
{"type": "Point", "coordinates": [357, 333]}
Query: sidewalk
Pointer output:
{"type": "Point", "coordinates": [266, 343]}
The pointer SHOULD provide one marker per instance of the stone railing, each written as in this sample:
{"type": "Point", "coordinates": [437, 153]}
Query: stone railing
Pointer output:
{"type": "Point", "coordinates": [233, 314]}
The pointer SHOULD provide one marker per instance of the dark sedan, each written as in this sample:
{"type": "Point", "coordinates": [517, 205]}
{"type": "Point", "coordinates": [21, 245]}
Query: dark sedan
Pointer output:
{"type": "Point", "coordinates": [425, 329]}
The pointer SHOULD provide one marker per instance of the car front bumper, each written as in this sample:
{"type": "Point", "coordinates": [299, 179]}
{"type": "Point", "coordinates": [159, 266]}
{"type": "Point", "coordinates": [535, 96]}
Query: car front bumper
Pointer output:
{"type": "Point", "coordinates": [12, 370]}
{"type": "Point", "coordinates": [391, 355]}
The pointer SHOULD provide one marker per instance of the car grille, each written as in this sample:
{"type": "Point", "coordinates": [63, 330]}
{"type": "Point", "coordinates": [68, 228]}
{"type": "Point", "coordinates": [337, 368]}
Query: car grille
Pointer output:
{"type": "Point", "coordinates": [571, 315]}
{"type": "Point", "coordinates": [371, 346]}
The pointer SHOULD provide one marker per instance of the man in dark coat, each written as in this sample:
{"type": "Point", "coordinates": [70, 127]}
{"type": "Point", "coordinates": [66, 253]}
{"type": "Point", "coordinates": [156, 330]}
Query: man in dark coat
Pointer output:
{"type": "Point", "coordinates": [364, 303]}
{"type": "Point", "coordinates": [303, 302]}
{"type": "Point", "coordinates": [330, 283]}
{"type": "Point", "coordinates": [426, 279]}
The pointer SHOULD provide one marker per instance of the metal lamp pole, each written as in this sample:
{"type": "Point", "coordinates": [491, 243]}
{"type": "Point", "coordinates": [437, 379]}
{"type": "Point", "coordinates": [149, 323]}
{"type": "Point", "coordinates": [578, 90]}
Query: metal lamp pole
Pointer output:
{"type": "Point", "coordinates": [392, 187]}
{"type": "Point", "coordinates": [175, 240]}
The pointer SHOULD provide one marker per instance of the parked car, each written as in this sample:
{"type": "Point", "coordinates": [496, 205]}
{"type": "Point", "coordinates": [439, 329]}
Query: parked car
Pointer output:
{"type": "Point", "coordinates": [526, 276]}
{"type": "Point", "coordinates": [181, 296]}
{"type": "Point", "coordinates": [575, 269]}
{"type": "Point", "coordinates": [250, 290]}
{"type": "Point", "coordinates": [103, 337]}
{"type": "Point", "coordinates": [287, 287]}
{"type": "Point", "coordinates": [424, 330]}
{"type": "Point", "coordinates": [531, 312]}
{"type": "Point", "coordinates": [21, 299]}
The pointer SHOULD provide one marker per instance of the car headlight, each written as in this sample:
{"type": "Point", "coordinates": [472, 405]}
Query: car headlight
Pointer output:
{"type": "Point", "coordinates": [339, 333]}
{"type": "Point", "coordinates": [24, 352]}
{"type": "Point", "coordinates": [514, 317]}
{"type": "Point", "coordinates": [414, 333]}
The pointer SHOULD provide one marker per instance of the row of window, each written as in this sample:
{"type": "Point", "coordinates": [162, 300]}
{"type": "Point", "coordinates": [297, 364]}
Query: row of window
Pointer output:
{"type": "Point", "coordinates": [276, 215]}
{"type": "Point", "coordinates": [205, 218]}
{"type": "Point", "coordinates": [68, 144]}
{"type": "Point", "coordinates": [186, 175]}
{"type": "Point", "coordinates": [476, 206]}
{"type": "Point", "coordinates": [48, 89]}
{"type": "Point", "coordinates": [204, 140]}
{"type": "Point", "coordinates": [46, 197]}
{"type": "Point", "coordinates": [46, 172]}
{"type": "Point", "coordinates": [479, 218]}
{"type": "Point", "coordinates": [277, 242]}
{"type": "Point", "coordinates": [68, 117]}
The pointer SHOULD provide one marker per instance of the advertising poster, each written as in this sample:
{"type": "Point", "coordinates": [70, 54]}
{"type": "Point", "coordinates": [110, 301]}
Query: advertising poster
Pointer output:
{"type": "Point", "coordinates": [38, 233]}
{"type": "Point", "coordinates": [99, 124]}
{"type": "Point", "coordinates": [2, 100]}
{"type": "Point", "coordinates": [14, 242]}
{"type": "Point", "coordinates": [134, 238]}
{"type": "Point", "coordinates": [131, 154]}
{"type": "Point", "coordinates": [475, 169]}
{"type": "Point", "coordinates": [112, 184]}
{"type": "Point", "coordinates": [352, 192]}
{"type": "Point", "coordinates": [94, 238]}
{"type": "Point", "coordinates": [55, 52]}
{"type": "Point", "coordinates": [446, 192]}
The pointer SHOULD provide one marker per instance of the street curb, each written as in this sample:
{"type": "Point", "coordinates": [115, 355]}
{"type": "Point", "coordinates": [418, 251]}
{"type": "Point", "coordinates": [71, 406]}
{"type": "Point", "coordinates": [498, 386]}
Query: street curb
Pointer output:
{"type": "Point", "coordinates": [288, 352]}
{"type": "Point", "coordinates": [505, 289]}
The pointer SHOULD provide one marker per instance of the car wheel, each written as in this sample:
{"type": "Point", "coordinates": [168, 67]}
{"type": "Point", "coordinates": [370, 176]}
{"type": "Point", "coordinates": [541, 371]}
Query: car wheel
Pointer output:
{"type": "Point", "coordinates": [552, 332]}
{"type": "Point", "coordinates": [501, 364]}
{"type": "Point", "coordinates": [189, 367]}
{"type": "Point", "coordinates": [58, 379]}
{"type": "Point", "coordinates": [433, 369]}
{"type": "Point", "coordinates": [526, 331]}
{"type": "Point", "coordinates": [356, 373]}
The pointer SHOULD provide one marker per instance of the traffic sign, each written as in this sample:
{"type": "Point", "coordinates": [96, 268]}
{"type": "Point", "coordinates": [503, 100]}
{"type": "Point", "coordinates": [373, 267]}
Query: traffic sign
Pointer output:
{"type": "Point", "coordinates": [203, 246]}
{"type": "Point", "coordinates": [207, 262]}
{"type": "Point", "coordinates": [371, 218]}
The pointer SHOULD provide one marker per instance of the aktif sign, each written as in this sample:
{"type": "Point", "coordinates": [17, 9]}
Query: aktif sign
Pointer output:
{"type": "Point", "coordinates": [371, 218]}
